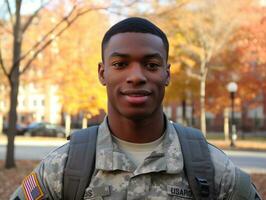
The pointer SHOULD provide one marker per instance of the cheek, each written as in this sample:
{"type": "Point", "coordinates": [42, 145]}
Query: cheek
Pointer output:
{"type": "Point", "coordinates": [112, 85]}
{"type": "Point", "coordinates": [161, 81]}
{"type": "Point", "coordinates": [160, 85]}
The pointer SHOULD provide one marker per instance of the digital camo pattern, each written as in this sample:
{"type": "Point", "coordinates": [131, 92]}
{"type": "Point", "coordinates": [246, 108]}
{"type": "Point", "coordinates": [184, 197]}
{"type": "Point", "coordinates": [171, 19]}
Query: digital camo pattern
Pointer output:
{"type": "Point", "coordinates": [49, 174]}
{"type": "Point", "coordinates": [224, 173]}
{"type": "Point", "coordinates": [160, 176]}
{"type": "Point", "coordinates": [53, 168]}
{"type": "Point", "coordinates": [161, 169]}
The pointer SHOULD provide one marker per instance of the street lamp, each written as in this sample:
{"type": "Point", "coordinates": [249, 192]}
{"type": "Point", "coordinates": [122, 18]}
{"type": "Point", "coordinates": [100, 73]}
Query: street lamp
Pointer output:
{"type": "Point", "coordinates": [232, 88]}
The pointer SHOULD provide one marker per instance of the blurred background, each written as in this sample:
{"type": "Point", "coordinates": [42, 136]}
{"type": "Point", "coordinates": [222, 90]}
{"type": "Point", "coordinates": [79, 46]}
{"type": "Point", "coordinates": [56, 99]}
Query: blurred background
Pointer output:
{"type": "Point", "coordinates": [50, 50]}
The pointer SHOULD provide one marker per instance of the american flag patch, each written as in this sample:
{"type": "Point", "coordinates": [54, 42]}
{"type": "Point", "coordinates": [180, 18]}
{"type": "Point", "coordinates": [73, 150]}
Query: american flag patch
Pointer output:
{"type": "Point", "coordinates": [31, 187]}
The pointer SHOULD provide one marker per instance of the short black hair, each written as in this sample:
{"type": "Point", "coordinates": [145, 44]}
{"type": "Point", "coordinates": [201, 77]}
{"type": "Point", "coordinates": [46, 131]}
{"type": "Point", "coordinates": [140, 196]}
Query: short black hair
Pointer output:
{"type": "Point", "coordinates": [138, 25]}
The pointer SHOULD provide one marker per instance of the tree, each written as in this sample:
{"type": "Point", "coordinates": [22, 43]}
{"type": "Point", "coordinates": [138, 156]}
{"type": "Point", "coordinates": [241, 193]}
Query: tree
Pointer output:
{"type": "Point", "coordinates": [241, 61]}
{"type": "Point", "coordinates": [81, 90]}
{"type": "Point", "coordinates": [202, 25]}
{"type": "Point", "coordinates": [71, 63]}
{"type": "Point", "coordinates": [250, 49]}
{"type": "Point", "coordinates": [16, 26]}
{"type": "Point", "coordinates": [181, 86]}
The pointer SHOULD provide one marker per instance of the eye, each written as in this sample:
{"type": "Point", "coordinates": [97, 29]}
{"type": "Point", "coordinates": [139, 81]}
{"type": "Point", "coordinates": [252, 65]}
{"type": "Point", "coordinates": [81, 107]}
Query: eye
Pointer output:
{"type": "Point", "coordinates": [119, 65]}
{"type": "Point", "coordinates": [152, 66]}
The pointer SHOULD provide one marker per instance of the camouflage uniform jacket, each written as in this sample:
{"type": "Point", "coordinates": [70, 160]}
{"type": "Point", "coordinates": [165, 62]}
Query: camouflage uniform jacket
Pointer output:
{"type": "Point", "coordinates": [160, 176]}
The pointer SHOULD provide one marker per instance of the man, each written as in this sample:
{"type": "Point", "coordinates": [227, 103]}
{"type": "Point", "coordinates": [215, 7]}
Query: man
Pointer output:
{"type": "Point", "coordinates": [138, 153]}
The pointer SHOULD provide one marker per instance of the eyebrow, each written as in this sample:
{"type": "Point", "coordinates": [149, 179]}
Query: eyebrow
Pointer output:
{"type": "Point", "coordinates": [116, 54]}
{"type": "Point", "coordinates": [148, 56]}
{"type": "Point", "coordinates": [154, 55]}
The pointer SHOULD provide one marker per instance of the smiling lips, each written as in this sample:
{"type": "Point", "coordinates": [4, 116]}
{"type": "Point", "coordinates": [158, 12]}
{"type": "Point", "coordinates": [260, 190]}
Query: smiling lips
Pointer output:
{"type": "Point", "coordinates": [136, 96]}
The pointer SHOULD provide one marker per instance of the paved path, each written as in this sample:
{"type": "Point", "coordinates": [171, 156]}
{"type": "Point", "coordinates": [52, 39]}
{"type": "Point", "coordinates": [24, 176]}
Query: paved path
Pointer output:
{"type": "Point", "coordinates": [31, 150]}
{"type": "Point", "coordinates": [250, 161]}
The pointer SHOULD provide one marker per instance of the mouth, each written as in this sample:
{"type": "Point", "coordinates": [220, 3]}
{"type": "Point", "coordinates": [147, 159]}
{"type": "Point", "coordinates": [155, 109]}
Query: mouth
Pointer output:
{"type": "Point", "coordinates": [136, 97]}
{"type": "Point", "coordinates": [136, 93]}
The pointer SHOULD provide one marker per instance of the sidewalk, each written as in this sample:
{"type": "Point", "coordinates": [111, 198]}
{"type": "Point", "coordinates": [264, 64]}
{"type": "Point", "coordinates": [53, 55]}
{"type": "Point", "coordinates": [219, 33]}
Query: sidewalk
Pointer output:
{"type": "Point", "coordinates": [241, 145]}
{"type": "Point", "coordinates": [34, 141]}
{"type": "Point", "coordinates": [250, 145]}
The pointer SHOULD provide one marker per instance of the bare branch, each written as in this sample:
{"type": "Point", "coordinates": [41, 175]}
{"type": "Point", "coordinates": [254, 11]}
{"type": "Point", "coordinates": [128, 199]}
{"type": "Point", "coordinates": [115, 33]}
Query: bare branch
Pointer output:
{"type": "Point", "coordinates": [70, 20]}
{"type": "Point", "coordinates": [28, 22]}
{"type": "Point", "coordinates": [47, 43]}
{"type": "Point", "coordinates": [37, 44]}
{"type": "Point", "coordinates": [9, 11]}
{"type": "Point", "coordinates": [65, 19]}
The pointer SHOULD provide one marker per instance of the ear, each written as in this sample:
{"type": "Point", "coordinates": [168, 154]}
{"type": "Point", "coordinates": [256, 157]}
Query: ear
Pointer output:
{"type": "Point", "coordinates": [167, 81]}
{"type": "Point", "coordinates": [101, 73]}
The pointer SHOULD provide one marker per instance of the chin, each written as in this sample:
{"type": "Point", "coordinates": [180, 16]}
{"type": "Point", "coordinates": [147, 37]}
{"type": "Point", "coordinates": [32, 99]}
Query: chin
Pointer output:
{"type": "Point", "coordinates": [137, 115]}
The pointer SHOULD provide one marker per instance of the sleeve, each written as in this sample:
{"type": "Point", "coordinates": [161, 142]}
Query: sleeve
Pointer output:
{"type": "Point", "coordinates": [244, 189]}
{"type": "Point", "coordinates": [224, 173]}
{"type": "Point", "coordinates": [45, 181]}
{"type": "Point", "coordinates": [231, 183]}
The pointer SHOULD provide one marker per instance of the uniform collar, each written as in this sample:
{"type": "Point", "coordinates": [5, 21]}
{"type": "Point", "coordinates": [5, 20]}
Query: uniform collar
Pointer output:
{"type": "Point", "coordinates": [166, 157]}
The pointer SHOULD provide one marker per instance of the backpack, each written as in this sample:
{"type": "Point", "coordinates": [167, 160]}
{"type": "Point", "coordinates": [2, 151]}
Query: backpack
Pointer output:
{"type": "Point", "coordinates": [81, 163]}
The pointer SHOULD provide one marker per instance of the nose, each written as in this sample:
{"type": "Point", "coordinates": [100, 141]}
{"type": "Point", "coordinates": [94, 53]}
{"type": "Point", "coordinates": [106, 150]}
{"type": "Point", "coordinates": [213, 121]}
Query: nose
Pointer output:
{"type": "Point", "coordinates": [136, 74]}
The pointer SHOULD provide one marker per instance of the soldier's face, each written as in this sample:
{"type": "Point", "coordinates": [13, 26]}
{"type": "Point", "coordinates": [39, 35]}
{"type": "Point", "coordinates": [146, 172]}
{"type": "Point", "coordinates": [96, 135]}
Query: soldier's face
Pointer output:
{"type": "Point", "coordinates": [135, 73]}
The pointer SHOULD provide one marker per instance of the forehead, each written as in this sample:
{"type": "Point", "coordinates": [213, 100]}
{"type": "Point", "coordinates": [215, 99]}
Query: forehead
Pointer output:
{"type": "Point", "coordinates": [135, 44]}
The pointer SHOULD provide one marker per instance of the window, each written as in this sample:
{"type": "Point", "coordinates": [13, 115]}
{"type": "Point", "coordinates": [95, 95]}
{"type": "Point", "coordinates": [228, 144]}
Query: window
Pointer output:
{"type": "Point", "coordinates": [34, 102]}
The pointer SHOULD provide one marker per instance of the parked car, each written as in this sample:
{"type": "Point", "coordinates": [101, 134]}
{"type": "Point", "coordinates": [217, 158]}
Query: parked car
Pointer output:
{"type": "Point", "coordinates": [45, 129]}
{"type": "Point", "coordinates": [20, 129]}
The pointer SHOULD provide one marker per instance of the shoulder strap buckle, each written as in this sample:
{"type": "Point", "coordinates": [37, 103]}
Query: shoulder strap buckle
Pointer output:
{"type": "Point", "coordinates": [203, 186]}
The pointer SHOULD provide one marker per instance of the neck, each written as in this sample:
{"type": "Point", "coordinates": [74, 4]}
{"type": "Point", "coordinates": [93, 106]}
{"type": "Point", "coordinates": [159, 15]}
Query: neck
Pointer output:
{"type": "Point", "coordinates": [142, 130]}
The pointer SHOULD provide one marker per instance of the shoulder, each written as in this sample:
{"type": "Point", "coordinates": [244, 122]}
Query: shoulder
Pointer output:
{"type": "Point", "coordinates": [225, 172]}
{"type": "Point", "coordinates": [54, 162]}
{"type": "Point", "coordinates": [61, 150]}
{"type": "Point", "coordinates": [219, 158]}
{"type": "Point", "coordinates": [57, 156]}
{"type": "Point", "coordinates": [52, 168]}
{"type": "Point", "coordinates": [48, 176]}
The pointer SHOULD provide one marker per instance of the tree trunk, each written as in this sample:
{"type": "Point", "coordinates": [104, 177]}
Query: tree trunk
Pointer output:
{"type": "Point", "coordinates": [184, 112]}
{"type": "Point", "coordinates": [264, 106]}
{"type": "Point", "coordinates": [226, 124]}
{"type": "Point", "coordinates": [1, 123]}
{"type": "Point", "coordinates": [84, 122]}
{"type": "Point", "coordinates": [193, 121]}
{"type": "Point", "coordinates": [68, 124]}
{"type": "Point", "coordinates": [173, 112]}
{"type": "Point", "coordinates": [202, 107]}
{"type": "Point", "coordinates": [12, 119]}
{"type": "Point", "coordinates": [14, 86]}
